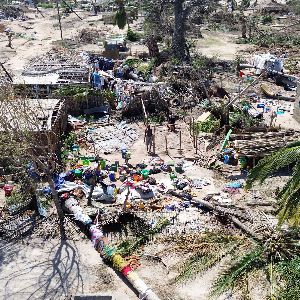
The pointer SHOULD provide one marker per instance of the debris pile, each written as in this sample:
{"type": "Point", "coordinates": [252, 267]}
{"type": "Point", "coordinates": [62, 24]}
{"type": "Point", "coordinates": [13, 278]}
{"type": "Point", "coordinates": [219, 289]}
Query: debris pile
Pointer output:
{"type": "Point", "coordinates": [89, 36]}
{"type": "Point", "coordinates": [11, 12]}
{"type": "Point", "coordinates": [56, 67]}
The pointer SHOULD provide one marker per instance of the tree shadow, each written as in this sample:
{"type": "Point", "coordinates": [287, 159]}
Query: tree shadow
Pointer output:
{"type": "Point", "coordinates": [57, 277]}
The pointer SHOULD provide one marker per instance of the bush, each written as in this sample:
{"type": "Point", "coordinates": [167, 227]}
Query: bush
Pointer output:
{"type": "Point", "coordinates": [266, 39]}
{"type": "Point", "coordinates": [46, 5]}
{"type": "Point", "coordinates": [132, 36]}
{"type": "Point", "coordinates": [210, 125]}
{"type": "Point", "coordinates": [267, 19]}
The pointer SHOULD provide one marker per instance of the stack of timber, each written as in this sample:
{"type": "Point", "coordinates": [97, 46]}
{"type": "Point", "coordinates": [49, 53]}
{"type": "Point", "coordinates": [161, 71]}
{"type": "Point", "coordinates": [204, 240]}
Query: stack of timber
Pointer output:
{"type": "Point", "coordinates": [260, 144]}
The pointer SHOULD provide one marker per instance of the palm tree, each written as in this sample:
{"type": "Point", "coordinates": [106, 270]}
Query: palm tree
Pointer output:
{"type": "Point", "coordinates": [289, 196]}
{"type": "Point", "coordinates": [273, 256]}
{"type": "Point", "coordinates": [277, 256]}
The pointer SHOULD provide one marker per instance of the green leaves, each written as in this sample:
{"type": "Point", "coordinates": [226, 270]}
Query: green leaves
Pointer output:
{"type": "Point", "coordinates": [210, 125]}
{"type": "Point", "coordinates": [288, 272]}
{"type": "Point", "coordinates": [272, 163]}
{"type": "Point", "coordinates": [228, 279]}
{"type": "Point", "coordinates": [289, 199]}
{"type": "Point", "coordinates": [121, 18]}
{"type": "Point", "coordinates": [289, 196]}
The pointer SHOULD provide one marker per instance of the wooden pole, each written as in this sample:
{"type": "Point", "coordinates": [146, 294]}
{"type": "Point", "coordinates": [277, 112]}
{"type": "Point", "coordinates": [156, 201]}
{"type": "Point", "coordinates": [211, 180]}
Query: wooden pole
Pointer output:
{"type": "Point", "coordinates": [59, 20]}
{"type": "Point", "coordinates": [190, 126]}
{"type": "Point", "coordinates": [145, 114]}
{"type": "Point", "coordinates": [36, 7]}
{"type": "Point", "coordinates": [70, 7]}
{"type": "Point", "coordinates": [6, 72]}
{"type": "Point", "coordinates": [154, 139]}
{"type": "Point", "coordinates": [180, 150]}
{"type": "Point", "coordinates": [193, 131]}
{"type": "Point", "coordinates": [166, 144]}
{"type": "Point", "coordinates": [196, 144]}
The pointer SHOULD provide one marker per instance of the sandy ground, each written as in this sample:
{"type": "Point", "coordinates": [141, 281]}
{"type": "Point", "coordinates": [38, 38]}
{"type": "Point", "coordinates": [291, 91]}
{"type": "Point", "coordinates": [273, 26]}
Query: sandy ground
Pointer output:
{"type": "Point", "coordinates": [38, 35]}
{"type": "Point", "coordinates": [51, 269]}
{"type": "Point", "coordinates": [220, 45]}
{"type": "Point", "coordinates": [38, 269]}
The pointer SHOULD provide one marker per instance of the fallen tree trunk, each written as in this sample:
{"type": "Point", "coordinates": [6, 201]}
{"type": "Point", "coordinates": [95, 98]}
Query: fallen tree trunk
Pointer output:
{"type": "Point", "coordinates": [229, 215]}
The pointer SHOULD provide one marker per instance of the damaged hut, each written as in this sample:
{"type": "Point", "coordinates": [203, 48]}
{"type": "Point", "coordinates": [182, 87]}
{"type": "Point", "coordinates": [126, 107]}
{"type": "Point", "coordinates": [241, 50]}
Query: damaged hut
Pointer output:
{"type": "Point", "coordinates": [45, 120]}
{"type": "Point", "coordinates": [51, 71]}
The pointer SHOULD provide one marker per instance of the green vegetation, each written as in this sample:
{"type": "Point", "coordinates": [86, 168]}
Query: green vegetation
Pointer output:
{"type": "Point", "coordinates": [16, 198]}
{"type": "Point", "coordinates": [268, 39]}
{"type": "Point", "coordinates": [132, 36]}
{"type": "Point", "coordinates": [278, 257]}
{"type": "Point", "coordinates": [158, 119]}
{"type": "Point", "coordinates": [121, 18]}
{"type": "Point", "coordinates": [267, 19]}
{"type": "Point", "coordinates": [46, 5]}
{"type": "Point", "coordinates": [241, 119]}
{"type": "Point", "coordinates": [210, 125]}
{"type": "Point", "coordinates": [82, 93]}
{"type": "Point", "coordinates": [294, 5]}
{"type": "Point", "coordinates": [128, 247]}
{"type": "Point", "coordinates": [288, 197]}
{"type": "Point", "coordinates": [245, 4]}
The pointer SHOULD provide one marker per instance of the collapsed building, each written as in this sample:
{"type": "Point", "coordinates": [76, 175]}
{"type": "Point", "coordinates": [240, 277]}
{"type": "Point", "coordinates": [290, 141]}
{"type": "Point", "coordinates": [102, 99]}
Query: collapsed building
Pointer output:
{"type": "Point", "coordinates": [51, 71]}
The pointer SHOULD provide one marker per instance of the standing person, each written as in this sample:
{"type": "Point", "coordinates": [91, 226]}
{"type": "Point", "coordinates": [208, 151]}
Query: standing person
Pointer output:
{"type": "Point", "coordinates": [9, 34]}
{"type": "Point", "coordinates": [171, 123]}
{"type": "Point", "coordinates": [148, 138]}
{"type": "Point", "coordinates": [96, 80]}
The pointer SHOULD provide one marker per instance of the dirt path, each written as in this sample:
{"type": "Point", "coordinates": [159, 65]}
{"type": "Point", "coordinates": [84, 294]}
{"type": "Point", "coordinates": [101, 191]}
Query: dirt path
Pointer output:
{"type": "Point", "coordinates": [37, 35]}
{"type": "Point", "coordinates": [220, 44]}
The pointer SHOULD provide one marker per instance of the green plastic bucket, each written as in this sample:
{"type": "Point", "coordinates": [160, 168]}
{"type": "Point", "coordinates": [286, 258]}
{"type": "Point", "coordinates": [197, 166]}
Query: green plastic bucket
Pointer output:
{"type": "Point", "coordinates": [145, 173]}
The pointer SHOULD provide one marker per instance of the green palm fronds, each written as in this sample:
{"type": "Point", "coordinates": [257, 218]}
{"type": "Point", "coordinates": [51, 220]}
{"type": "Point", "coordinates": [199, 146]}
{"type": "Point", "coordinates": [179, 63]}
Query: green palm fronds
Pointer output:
{"type": "Point", "coordinates": [129, 246]}
{"type": "Point", "coordinates": [205, 260]}
{"type": "Point", "coordinates": [288, 272]}
{"type": "Point", "coordinates": [289, 196]}
{"type": "Point", "coordinates": [197, 264]}
{"type": "Point", "coordinates": [228, 279]}
{"type": "Point", "coordinates": [207, 250]}
{"type": "Point", "coordinates": [274, 162]}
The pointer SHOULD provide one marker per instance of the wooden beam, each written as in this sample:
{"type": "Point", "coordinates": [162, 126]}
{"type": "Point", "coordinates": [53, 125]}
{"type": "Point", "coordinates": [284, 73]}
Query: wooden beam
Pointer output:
{"type": "Point", "coordinates": [6, 72]}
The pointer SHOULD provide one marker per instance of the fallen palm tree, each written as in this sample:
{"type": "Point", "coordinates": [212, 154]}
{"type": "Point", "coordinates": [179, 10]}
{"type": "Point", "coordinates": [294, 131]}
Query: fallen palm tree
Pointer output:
{"type": "Point", "coordinates": [109, 252]}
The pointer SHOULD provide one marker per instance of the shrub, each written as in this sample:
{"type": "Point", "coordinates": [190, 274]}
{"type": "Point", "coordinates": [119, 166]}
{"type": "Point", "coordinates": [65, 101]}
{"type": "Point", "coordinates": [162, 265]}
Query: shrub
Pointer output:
{"type": "Point", "coordinates": [46, 5]}
{"type": "Point", "coordinates": [132, 36]}
{"type": "Point", "coordinates": [210, 125]}
{"type": "Point", "coordinates": [267, 19]}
